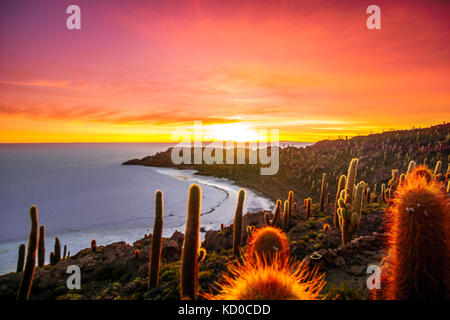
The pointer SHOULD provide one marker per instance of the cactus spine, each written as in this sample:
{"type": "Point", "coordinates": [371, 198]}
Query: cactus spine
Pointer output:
{"type": "Point", "coordinates": [155, 252]}
{"type": "Point", "coordinates": [21, 258]}
{"type": "Point", "coordinates": [30, 264]}
{"type": "Point", "coordinates": [237, 223]}
{"type": "Point", "coordinates": [323, 191]}
{"type": "Point", "coordinates": [341, 186]}
{"type": "Point", "coordinates": [57, 250]}
{"type": "Point", "coordinates": [41, 249]}
{"type": "Point", "coordinates": [189, 262]}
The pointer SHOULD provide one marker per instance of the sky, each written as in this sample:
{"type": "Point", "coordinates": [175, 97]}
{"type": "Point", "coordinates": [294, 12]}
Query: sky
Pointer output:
{"type": "Point", "coordinates": [140, 70]}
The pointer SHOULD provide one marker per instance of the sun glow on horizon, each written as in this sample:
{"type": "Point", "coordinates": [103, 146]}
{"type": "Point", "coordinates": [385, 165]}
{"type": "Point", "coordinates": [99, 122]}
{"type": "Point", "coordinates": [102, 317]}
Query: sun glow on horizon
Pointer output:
{"type": "Point", "coordinates": [239, 132]}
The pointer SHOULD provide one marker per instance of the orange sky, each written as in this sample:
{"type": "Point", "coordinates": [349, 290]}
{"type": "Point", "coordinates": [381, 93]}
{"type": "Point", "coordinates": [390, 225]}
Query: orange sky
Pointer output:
{"type": "Point", "coordinates": [138, 70]}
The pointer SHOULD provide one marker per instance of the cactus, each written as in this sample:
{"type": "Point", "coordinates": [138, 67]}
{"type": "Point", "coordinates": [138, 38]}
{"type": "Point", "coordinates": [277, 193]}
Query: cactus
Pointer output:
{"type": "Point", "coordinates": [189, 262]}
{"type": "Point", "coordinates": [237, 224]}
{"type": "Point", "coordinates": [323, 191]}
{"type": "Point", "coordinates": [201, 255]}
{"type": "Point", "coordinates": [277, 213]}
{"type": "Point", "coordinates": [308, 207]}
{"type": "Point", "coordinates": [52, 259]}
{"type": "Point", "coordinates": [349, 211]}
{"type": "Point", "coordinates": [41, 247]}
{"type": "Point", "coordinates": [30, 264]}
{"type": "Point", "coordinates": [382, 198]}
{"type": "Point", "coordinates": [21, 258]}
{"type": "Point", "coordinates": [351, 179]}
{"type": "Point", "coordinates": [294, 207]}
{"type": "Point", "coordinates": [285, 218]}
{"type": "Point", "coordinates": [267, 218]}
{"type": "Point", "coordinates": [256, 280]}
{"type": "Point", "coordinates": [137, 254]}
{"type": "Point", "coordinates": [418, 259]}
{"type": "Point", "coordinates": [65, 251]}
{"type": "Point", "coordinates": [155, 251]}
{"type": "Point", "coordinates": [57, 250]}
{"type": "Point", "coordinates": [437, 169]}
{"type": "Point", "coordinates": [411, 167]}
{"type": "Point", "coordinates": [267, 243]}
{"type": "Point", "coordinates": [326, 227]}
{"type": "Point", "coordinates": [341, 186]}
{"type": "Point", "coordinates": [249, 230]}
{"type": "Point", "coordinates": [94, 245]}
{"type": "Point", "coordinates": [291, 201]}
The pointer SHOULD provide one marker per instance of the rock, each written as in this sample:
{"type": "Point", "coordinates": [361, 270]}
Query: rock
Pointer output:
{"type": "Point", "coordinates": [170, 251]}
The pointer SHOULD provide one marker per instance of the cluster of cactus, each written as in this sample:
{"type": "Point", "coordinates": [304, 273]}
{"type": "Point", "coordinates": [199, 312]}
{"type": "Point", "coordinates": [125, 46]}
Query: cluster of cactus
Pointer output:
{"type": "Point", "coordinates": [30, 263]}
{"type": "Point", "coordinates": [340, 187]}
{"type": "Point", "coordinates": [418, 257]}
{"type": "Point", "coordinates": [271, 219]}
{"type": "Point", "coordinates": [237, 223]}
{"type": "Point", "coordinates": [350, 204]}
{"type": "Point", "coordinates": [155, 251]}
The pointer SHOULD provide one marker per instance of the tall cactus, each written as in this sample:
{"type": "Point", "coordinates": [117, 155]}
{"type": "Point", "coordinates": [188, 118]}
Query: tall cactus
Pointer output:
{"type": "Point", "coordinates": [155, 252]}
{"type": "Point", "coordinates": [323, 191]}
{"type": "Point", "coordinates": [418, 241]}
{"type": "Point", "coordinates": [64, 251]}
{"type": "Point", "coordinates": [285, 218]}
{"type": "Point", "coordinates": [277, 213]}
{"type": "Point", "coordinates": [41, 249]}
{"type": "Point", "coordinates": [291, 203]}
{"type": "Point", "coordinates": [351, 180]}
{"type": "Point", "coordinates": [350, 213]}
{"type": "Point", "coordinates": [340, 187]}
{"type": "Point", "coordinates": [57, 250]}
{"type": "Point", "coordinates": [308, 207]}
{"type": "Point", "coordinates": [191, 244]}
{"type": "Point", "coordinates": [30, 264]}
{"type": "Point", "coordinates": [437, 169]}
{"type": "Point", "coordinates": [21, 258]}
{"type": "Point", "coordinates": [237, 223]}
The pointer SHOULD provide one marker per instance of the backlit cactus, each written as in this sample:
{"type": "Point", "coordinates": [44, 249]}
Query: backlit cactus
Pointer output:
{"type": "Point", "coordinates": [191, 244]}
{"type": "Point", "coordinates": [411, 167]}
{"type": "Point", "coordinates": [437, 169]}
{"type": "Point", "coordinates": [285, 217]}
{"type": "Point", "coordinates": [94, 245]}
{"type": "Point", "coordinates": [418, 263]}
{"type": "Point", "coordinates": [155, 251]}
{"type": "Point", "coordinates": [308, 207]}
{"type": "Point", "coordinates": [237, 223]}
{"type": "Point", "coordinates": [20, 258]}
{"type": "Point", "coordinates": [277, 213]}
{"type": "Point", "coordinates": [323, 191]}
{"type": "Point", "coordinates": [340, 187]}
{"type": "Point", "coordinates": [256, 280]}
{"type": "Point", "coordinates": [266, 243]}
{"type": "Point", "coordinates": [41, 247]}
{"type": "Point", "coordinates": [350, 204]}
{"type": "Point", "coordinates": [57, 250]}
{"type": "Point", "coordinates": [30, 264]}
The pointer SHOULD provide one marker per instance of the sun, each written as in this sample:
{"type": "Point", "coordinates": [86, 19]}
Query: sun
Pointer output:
{"type": "Point", "coordinates": [239, 132]}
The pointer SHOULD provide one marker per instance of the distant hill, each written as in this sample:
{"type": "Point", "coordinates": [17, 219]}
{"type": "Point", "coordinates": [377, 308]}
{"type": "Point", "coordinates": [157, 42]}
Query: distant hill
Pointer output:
{"type": "Point", "coordinates": [301, 169]}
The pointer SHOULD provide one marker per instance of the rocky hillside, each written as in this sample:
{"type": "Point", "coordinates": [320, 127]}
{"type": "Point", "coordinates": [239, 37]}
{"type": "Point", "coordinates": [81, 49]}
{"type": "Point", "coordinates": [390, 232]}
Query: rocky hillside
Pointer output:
{"type": "Point", "coordinates": [301, 169]}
